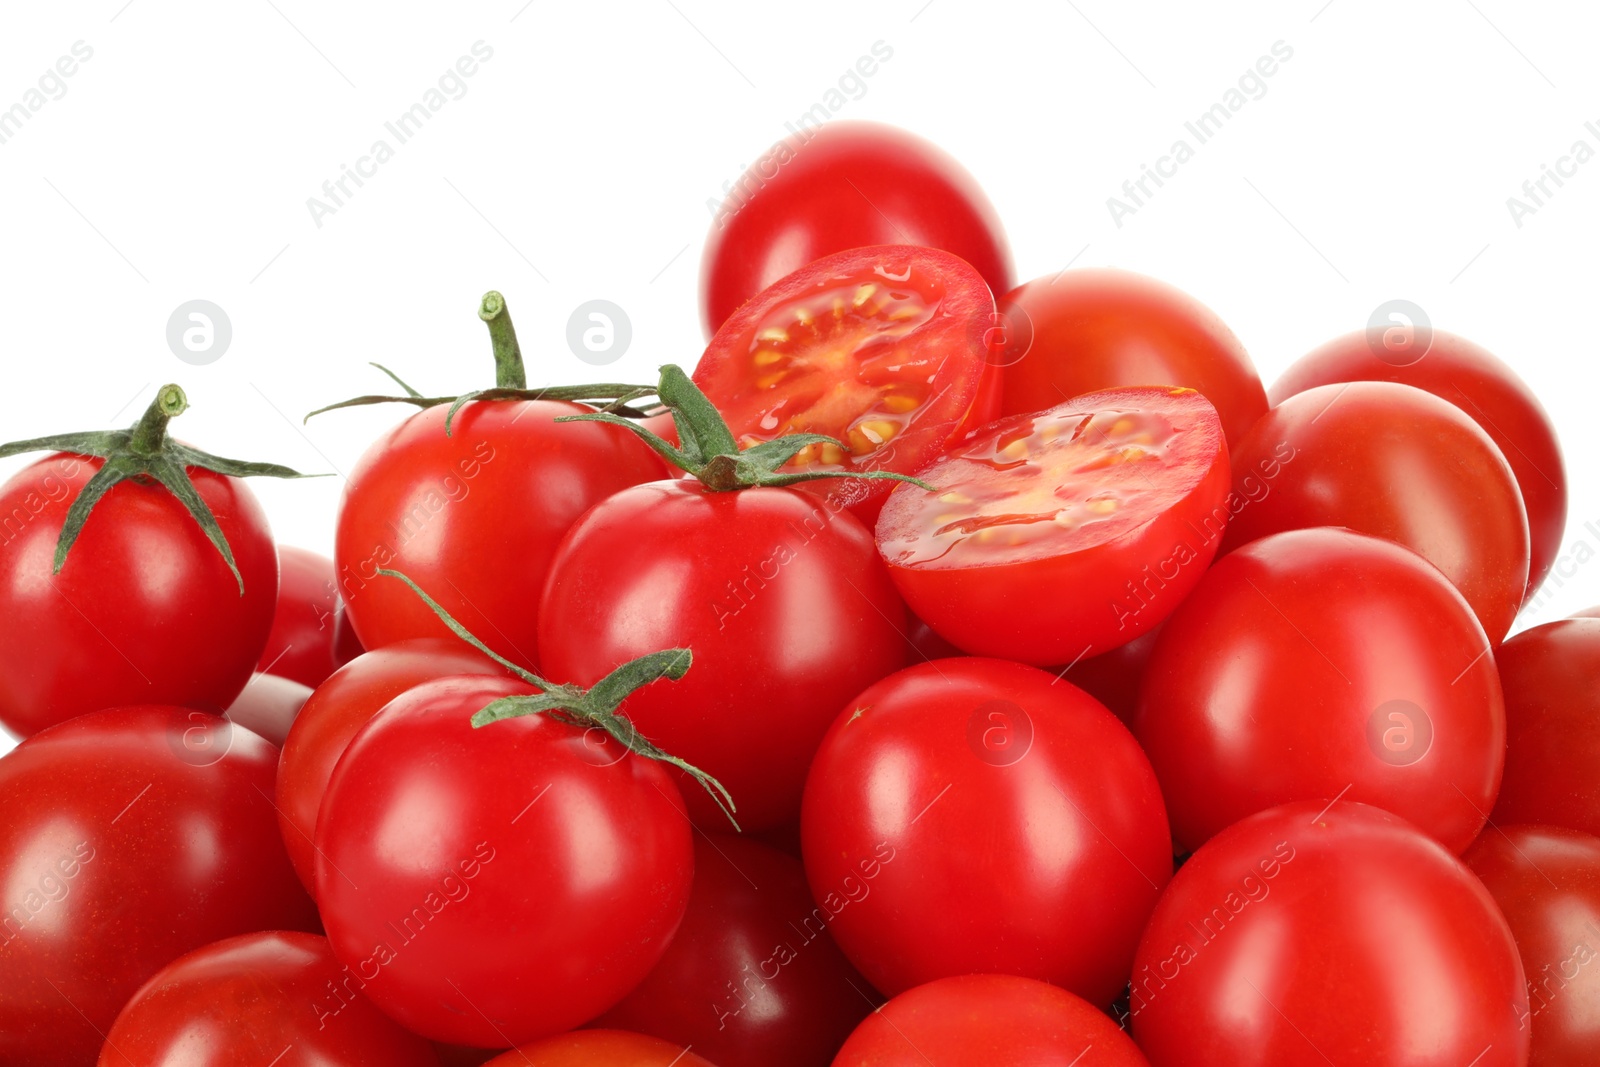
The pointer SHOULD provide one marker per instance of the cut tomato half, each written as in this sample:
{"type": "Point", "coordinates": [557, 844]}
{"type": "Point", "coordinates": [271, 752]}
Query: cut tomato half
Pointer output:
{"type": "Point", "coordinates": [882, 348]}
{"type": "Point", "coordinates": [1067, 533]}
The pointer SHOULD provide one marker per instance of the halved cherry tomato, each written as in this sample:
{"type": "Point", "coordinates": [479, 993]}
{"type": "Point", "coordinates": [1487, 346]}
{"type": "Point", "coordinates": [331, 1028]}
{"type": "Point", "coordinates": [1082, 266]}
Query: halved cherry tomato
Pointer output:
{"type": "Point", "coordinates": [1061, 535]}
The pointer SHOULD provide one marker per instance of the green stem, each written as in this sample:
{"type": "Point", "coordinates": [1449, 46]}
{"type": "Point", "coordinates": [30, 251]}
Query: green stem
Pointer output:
{"type": "Point", "coordinates": [150, 432]}
{"type": "Point", "coordinates": [509, 372]}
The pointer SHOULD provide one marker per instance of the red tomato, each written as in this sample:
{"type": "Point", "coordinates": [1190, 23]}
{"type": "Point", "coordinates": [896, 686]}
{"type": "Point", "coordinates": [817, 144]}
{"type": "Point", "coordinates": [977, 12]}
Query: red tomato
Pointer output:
{"type": "Point", "coordinates": [1114, 678]}
{"type": "Point", "coordinates": [1350, 939]}
{"type": "Point", "coordinates": [500, 884]}
{"type": "Point", "coordinates": [1318, 663]}
{"type": "Point", "coordinates": [268, 706]}
{"type": "Point", "coordinates": [474, 517]}
{"type": "Point", "coordinates": [600, 1048]}
{"type": "Point", "coordinates": [1551, 675]}
{"type": "Point", "coordinates": [251, 999]}
{"type": "Point", "coordinates": [841, 186]}
{"type": "Point", "coordinates": [783, 601]}
{"type": "Point", "coordinates": [883, 348]}
{"type": "Point", "coordinates": [1397, 463]}
{"type": "Point", "coordinates": [752, 977]}
{"type": "Point", "coordinates": [127, 838]}
{"type": "Point", "coordinates": [988, 1019]}
{"type": "Point", "coordinates": [1475, 381]}
{"type": "Point", "coordinates": [1061, 535]}
{"type": "Point", "coordinates": [145, 610]}
{"type": "Point", "coordinates": [339, 708]}
{"type": "Point", "coordinates": [1547, 884]}
{"type": "Point", "coordinates": [1083, 331]}
{"type": "Point", "coordinates": [974, 816]}
{"type": "Point", "coordinates": [301, 645]}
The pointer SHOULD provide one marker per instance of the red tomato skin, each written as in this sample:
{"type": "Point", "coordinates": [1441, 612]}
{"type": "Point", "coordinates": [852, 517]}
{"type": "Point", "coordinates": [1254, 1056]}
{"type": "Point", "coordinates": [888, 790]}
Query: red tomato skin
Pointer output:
{"type": "Point", "coordinates": [128, 837]}
{"type": "Point", "coordinates": [1547, 883]}
{"type": "Point", "coordinates": [988, 1018]}
{"type": "Point", "coordinates": [1052, 862]}
{"type": "Point", "coordinates": [304, 626]}
{"type": "Point", "coordinates": [1551, 675]}
{"type": "Point", "coordinates": [1114, 678]}
{"type": "Point", "coordinates": [246, 999]}
{"type": "Point", "coordinates": [1399, 463]}
{"type": "Point", "coordinates": [1472, 379]}
{"type": "Point", "coordinates": [336, 711]}
{"type": "Point", "coordinates": [784, 602]}
{"type": "Point", "coordinates": [1367, 943]}
{"type": "Point", "coordinates": [752, 977]}
{"type": "Point", "coordinates": [145, 611]}
{"type": "Point", "coordinates": [268, 706]}
{"type": "Point", "coordinates": [843, 186]}
{"type": "Point", "coordinates": [1086, 330]}
{"type": "Point", "coordinates": [504, 883]}
{"type": "Point", "coordinates": [1265, 686]}
{"type": "Point", "coordinates": [474, 517]}
{"type": "Point", "coordinates": [600, 1048]}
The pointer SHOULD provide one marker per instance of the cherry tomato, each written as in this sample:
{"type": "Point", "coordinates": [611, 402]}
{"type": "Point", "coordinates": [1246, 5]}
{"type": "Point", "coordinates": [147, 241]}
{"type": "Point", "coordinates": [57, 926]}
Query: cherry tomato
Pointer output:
{"type": "Point", "coordinates": [1114, 678]}
{"type": "Point", "coordinates": [127, 838]}
{"type": "Point", "coordinates": [842, 186]}
{"type": "Point", "coordinates": [497, 884]}
{"type": "Point", "coordinates": [339, 708]}
{"type": "Point", "coordinates": [1547, 883]}
{"type": "Point", "coordinates": [974, 816]}
{"type": "Point", "coordinates": [752, 977]}
{"type": "Point", "coordinates": [1317, 933]}
{"type": "Point", "coordinates": [268, 706]}
{"type": "Point", "coordinates": [600, 1048]}
{"type": "Point", "coordinates": [302, 644]}
{"type": "Point", "coordinates": [1111, 506]}
{"type": "Point", "coordinates": [145, 610]}
{"type": "Point", "coordinates": [782, 599]}
{"type": "Point", "coordinates": [1395, 462]}
{"type": "Point", "coordinates": [883, 348]}
{"type": "Point", "coordinates": [1084, 331]}
{"type": "Point", "coordinates": [988, 1018]}
{"type": "Point", "coordinates": [474, 516]}
{"type": "Point", "coordinates": [1551, 675]}
{"type": "Point", "coordinates": [1475, 381]}
{"type": "Point", "coordinates": [251, 999]}
{"type": "Point", "coordinates": [1318, 663]}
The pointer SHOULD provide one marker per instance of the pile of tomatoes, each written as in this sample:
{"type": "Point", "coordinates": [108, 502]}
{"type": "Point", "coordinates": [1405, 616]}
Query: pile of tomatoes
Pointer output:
{"type": "Point", "coordinates": [943, 671]}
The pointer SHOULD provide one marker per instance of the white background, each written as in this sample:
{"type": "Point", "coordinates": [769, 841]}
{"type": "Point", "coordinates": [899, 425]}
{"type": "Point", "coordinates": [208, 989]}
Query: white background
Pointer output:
{"type": "Point", "coordinates": [580, 160]}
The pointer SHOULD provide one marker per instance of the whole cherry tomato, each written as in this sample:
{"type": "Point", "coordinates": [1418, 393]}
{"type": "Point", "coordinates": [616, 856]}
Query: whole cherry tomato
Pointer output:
{"type": "Point", "coordinates": [1318, 663]}
{"type": "Point", "coordinates": [269, 705]}
{"type": "Point", "coordinates": [839, 186]}
{"type": "Point", "coordinates": [1083, 331]}
{"type": "Point", "coordinates": [1475, 381]}
{"type": "Point", "coordinates": [1114, 678]}
{"type": "Point", "coordinates": [988, 1019]}
{"type": "Point", "coordinates": [127, 838]}
{"type": "Point", "coordinates": [600, 1048]}
{"type": "Point", "coordinates": [1314, 934]}
{"type": "Point", "coordinates": [305, 628]}
{"type": "Point", "coordinates": [251, 999]}
{"type": "Point", "coordinates": [974, 816]}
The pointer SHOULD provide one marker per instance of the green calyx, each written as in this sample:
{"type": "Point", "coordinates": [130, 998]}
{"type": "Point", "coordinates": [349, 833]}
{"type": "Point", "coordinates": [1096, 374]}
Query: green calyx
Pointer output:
{"type": "Point", "coordinates": [707, 449]}
{"type": "Point", "coordinates": [511, 379]}
{"type": "Point", "coordinates": [145, 451]}
{"type": "Point", "coordinates": [594, 708]}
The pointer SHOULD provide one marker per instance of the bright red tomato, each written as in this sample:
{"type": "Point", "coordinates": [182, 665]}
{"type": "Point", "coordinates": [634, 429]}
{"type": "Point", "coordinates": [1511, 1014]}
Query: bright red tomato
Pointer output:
{"type": "Point", "coordinates": [145, 610]}
{"type": "Point", "coordinates": [841, 186]}
{"type": "Point", "coordinates": [1397, 463]}
{"type": "Point", "coordinates": [1318, 663]}
{"type": "Point", "coordinates": [975, 816]}
{"type": "Point", "coordinates": [1475, 381]}
{"type": "Point", "coordinates": [1547, 884]}
{"type": "Point", "coordinates": [1313, 934]}
{"type": "Point", "coordinates": [752, 978]}
{"type": "Point", "coordinates": [127, 838]}
{"type": "Point", "coordinates": [1084, 331]}
{"type": "Point", "coordinates": [474, 517]}
{"type": "Point", "coordinates": [1061, 535]}
{"type": "Point", "coordinates": [782, 599]}
{"type": "Point", "coordinates": [884, 348]}
{"type": "Point", "coordinates": [600, 1048]}
{"type": "Point", "coordinates": [1551, 676]}
{"type": "Point", "coordinates": [268, 706]}
{"type": "Point", "coordinates": [258, 999]}
{"type": "Point", "coordinates": [305, 628]}
{"type": "Point", "coordinates": [988, 1019]}
{"type": "Point", "coordinates": [1114, 678]}
{"type": "Point", "coordinates": [334, 713]}
{"type": "Point", "coordinates": [500, 884]}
